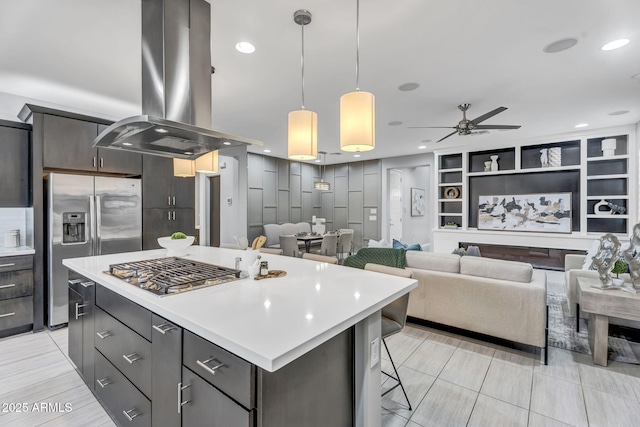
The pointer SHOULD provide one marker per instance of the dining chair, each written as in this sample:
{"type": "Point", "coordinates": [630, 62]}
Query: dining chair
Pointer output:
{"type": "Point", "coordinates": [272, 251]}
{"type": "Point", "coordinates": [289, 246]}
{"type": "Point", "coordinates": [345, 240]}
{"type": "Point", "coordinates": [320, 258]}
{"type": "Point", "coordinates": [394, 317]}
{"type": "Point", "coordinates": [329, 245]}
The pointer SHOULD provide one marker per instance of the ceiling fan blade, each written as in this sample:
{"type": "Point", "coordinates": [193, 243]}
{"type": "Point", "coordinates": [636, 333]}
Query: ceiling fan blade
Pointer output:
{"type": "Point", "coordinates": [488, 115]}
{"type": "Point", "coordinates": [431, 127]}
{"type": "Point", "coordinates": [452, 133]}
{"type": "Point", "coordinates": [497, 127]}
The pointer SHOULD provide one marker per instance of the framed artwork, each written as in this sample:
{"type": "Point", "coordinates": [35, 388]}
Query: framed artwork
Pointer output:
{"type": "Point", "coordinates": [526, 212]}
{"type": "Point", "coordinates": [418, 204]}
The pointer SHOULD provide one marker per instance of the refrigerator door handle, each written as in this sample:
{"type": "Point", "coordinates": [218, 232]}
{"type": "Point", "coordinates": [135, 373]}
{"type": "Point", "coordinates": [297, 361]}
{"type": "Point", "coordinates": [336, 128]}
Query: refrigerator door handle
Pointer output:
{"type": "Point", "coordinates": [98, 226]}
{"type": "Point", "coordinates": [92, 215]}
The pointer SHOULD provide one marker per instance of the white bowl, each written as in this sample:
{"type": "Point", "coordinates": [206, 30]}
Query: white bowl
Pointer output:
{"type": "Point", "coordinates": [177, 247]}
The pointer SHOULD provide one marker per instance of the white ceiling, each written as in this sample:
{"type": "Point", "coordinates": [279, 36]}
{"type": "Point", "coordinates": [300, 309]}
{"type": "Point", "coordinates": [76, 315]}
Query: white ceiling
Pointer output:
{"type": "Point", "coordinates": [84, 55]}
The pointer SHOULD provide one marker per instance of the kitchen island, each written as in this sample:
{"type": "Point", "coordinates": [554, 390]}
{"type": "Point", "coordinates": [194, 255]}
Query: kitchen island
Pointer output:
{"type": "Point", "coordinates": [301, 335]}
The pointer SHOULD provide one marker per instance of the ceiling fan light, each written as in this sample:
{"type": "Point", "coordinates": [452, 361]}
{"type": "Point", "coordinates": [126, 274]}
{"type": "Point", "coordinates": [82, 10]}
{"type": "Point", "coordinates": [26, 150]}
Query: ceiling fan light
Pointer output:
{"type": "Point", "coordinates": [303, 135]}
{"type": "Point", "coordinates": [207, 163]}
{"type": "Point", "coordinates": [184, 168]}
{"type": "Point", "coordinates": [357, 121]}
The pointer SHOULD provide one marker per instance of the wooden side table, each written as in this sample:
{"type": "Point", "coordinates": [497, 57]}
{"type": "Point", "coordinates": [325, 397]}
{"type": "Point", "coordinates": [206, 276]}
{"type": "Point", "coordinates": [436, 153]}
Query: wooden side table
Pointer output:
{"type": "Point", "coordinates": [602, 304]}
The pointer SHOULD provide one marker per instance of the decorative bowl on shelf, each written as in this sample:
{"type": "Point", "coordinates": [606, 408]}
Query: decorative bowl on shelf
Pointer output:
{"type": "Point", "coordinates": [176, 247]}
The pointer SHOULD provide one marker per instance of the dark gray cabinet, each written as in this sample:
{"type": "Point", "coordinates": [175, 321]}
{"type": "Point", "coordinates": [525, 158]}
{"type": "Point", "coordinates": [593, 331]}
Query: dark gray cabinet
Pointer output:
{"type": "Point", "coordinates": [16, 294]}
{"type": "Point", "coordinates": [163, 222]}
{"type": "Point", "coordinates": [14, 165]}
{"type": "Point", "coordinates": [166, 372]}
{"type": "Point", "coordinates": [81, 327]}
{"type": "Point", "coordinates": [160, 189]}
{"type": "Point", "coordinates": [68, 144]}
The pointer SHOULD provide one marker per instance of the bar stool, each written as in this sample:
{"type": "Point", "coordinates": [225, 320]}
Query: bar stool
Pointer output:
{"type": "Point", "coordinates": [320, 258]}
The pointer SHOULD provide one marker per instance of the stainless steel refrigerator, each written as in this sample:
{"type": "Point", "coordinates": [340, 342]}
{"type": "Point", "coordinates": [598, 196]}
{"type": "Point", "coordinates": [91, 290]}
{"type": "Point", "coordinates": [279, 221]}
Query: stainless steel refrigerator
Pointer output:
{"type": "Point", "coordinates": [87, 215]}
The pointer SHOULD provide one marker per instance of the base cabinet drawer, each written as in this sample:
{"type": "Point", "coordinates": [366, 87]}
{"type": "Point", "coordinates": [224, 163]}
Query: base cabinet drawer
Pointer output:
{"type": "Point", "coordinates": [13, 263]}
{"type": "Point", "coordinates": [128, 312]}
{"type": "Point", "coordinates": [16, 284]}
{"type": "Point", "coordinates": [119, 397]}
{"type": "Point", "coordinates": [203, 405]}
{"type": "Point", "coordinates": [125, 349]}
{"type": "Point", "coordinates": [16, 312]}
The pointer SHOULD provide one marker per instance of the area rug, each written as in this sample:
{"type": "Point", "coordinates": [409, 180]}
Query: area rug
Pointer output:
{"type": "Point", "coordinates": [562, 333]}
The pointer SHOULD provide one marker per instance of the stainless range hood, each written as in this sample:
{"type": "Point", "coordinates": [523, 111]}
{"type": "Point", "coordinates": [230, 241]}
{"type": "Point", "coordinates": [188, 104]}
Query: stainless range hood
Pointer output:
{"type": "Point", "coordinates": [176, 86]}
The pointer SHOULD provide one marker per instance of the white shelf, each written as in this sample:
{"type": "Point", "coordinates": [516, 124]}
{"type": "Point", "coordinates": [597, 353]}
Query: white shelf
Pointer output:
{"type": "Point", "coordinates": [625, 197]}
{"type": "Point", "coordinates": [499, 172]}
{"type": "Point", "coordinates": [450, 184]}
{"type": "Point", "coordinates": [550, 169]}
{"type": "Point", "coordinates": [601, 158]}
{"type": "Point", "coordinates": [600, 177]}
{"type": "Point", "coordinates": [451, 170]}
{"type": "Point", "coordinates": [450, 200]}
{"type": "Point", "coordinates": [450, 214]}
{"type": "Point", "coordinates": [616, 216]}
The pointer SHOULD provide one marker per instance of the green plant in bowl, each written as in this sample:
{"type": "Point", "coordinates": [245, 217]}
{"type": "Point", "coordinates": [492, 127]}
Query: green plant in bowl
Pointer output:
{"type": "Point", "coordinates": [178, 235]}
{"type": "Point", "coordinates": [619, 267]}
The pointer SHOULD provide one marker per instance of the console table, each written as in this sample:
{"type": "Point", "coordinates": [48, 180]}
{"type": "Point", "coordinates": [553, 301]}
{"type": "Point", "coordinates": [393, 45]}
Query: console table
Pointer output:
{"type": "Point", "coordinates": [602, 304]}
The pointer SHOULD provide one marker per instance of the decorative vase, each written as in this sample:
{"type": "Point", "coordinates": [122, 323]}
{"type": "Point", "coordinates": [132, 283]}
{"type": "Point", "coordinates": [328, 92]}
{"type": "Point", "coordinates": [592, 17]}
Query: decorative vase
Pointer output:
{"type": "Point", "coordinates": [494, 163]}
{"type": "Point", "coordinates": [544, 157]}
{"type": "Point", "coordinates": [555, 157]}
{"type": "Point", "coordinates": [487, 166]}
{"type": "Point", "coordinates": [608, 147]}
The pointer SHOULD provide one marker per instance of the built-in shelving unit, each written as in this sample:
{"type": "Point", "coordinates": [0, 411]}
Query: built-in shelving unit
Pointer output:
{"type": "Point", "coordinates": [450, 190]}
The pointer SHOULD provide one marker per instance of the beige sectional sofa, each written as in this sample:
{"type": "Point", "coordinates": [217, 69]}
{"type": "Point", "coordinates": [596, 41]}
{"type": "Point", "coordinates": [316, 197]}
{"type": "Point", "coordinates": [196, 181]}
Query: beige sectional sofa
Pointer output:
{"type": "Point", "coordinates": [504, 299]}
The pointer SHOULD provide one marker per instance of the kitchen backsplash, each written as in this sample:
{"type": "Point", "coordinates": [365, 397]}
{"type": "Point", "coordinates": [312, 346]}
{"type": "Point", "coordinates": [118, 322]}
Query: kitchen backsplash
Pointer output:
{"type": "Point", "coordinates": [17, 219]}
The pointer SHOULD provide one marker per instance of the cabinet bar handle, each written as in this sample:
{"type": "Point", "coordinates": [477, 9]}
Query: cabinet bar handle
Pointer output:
{"type": "Point", "coordinates": [7, 314]}
{"type": "Point", "coordinates": [101, 162]}
{"type": "Point", "coordinates": [169, 200]}
{"type": "Point", "coordinates": [104, 382]}
{"type": "Point", "coordinates": [169, 216]}
{"type": "Point", "coordinates": [87, 284]}
{"type": "Point", "coordinates": [164, 328]}
{"type": "Point", "coordinates": [131, 357]}
{"type": "Point", "coordinates": [173, 199]}
{"type": "Point", "coordinates": [181, 403]}
{"type": "Point", "coordinates": [211, 370]}
{"type": "Point", "coordinates": [94, 162]}
{"type": "Point", "coordinates": [77, 308]}
{"type": "Point", "coordinates": [131, 417]}
{"type": "Point", "coordinates": [10, 285]}
{"type": "Point", "coordinates": [173, 215]}
{"type": "Point", "coordinates": [103, 334]}
{"type": "Point", "coordinates": [8, 265]}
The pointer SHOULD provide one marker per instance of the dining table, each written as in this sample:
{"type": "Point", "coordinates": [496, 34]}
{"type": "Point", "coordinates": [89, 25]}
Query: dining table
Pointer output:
{"type": "Point", "coordinates": [308, 239]}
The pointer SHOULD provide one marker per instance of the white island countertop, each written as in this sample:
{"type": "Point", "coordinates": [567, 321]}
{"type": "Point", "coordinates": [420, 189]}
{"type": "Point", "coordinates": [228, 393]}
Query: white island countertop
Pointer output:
{"type": "Point", "coordinates": [268, 322]}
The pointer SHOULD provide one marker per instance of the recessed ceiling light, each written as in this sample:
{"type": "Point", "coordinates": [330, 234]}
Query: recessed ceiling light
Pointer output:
{"type": "Point", "coordinates": [408, 87]}
{"type": "Point", "coordinates": [226, 143]}
{"type": "Point", "coordinates": [188, 153]}
{"type": "Point", "coordinates": [160, 130]}
{"type": "Point", "coordinates": [582, 125]}
{"type": "Point", "coordinates": [421, 147]}
{"type": "Point", "coordinates": [318, 160]}
{"type": "Point", "coordinates": [395, 123]}
{"type": "Point", "coordinates": [127, 144]}
{"type": "Point", "coordinates": [267, 151]}
{"type": "Point", "coordinates": [615, 44]}
{"type": "Point", "coordinates": [356, 155]}
{"type": "Point", "coordinates": [245, 47]}
{"type": "Point", "coordinates": [560, 45]}
{"type": "Point", "coordinates": [618, 113]}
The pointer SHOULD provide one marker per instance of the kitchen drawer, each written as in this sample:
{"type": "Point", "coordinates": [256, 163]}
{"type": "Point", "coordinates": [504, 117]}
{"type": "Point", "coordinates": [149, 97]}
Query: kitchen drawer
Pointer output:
{"type": "Point", "coordinates": [118, 395]}
{"type": "Point", "coordinates": [15, 284]}
{"type": "Point", "coordinates": [127, 350]}
{"type": "Point", "coordinates": [16, 312]}
{"type": "Point", "coordinates": [205, 405]}
{"type": "Point", "coordinates": [12, 263]}
{"type": "Point", "coordinates": [232, 375]}
{"type": "Point", "coordinates": [131, 314]}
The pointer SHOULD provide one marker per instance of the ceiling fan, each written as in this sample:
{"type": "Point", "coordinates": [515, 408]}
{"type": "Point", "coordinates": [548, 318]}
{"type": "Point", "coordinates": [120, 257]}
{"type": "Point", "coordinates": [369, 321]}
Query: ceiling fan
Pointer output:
{"type": "Point", "coordinates": [466, 126]}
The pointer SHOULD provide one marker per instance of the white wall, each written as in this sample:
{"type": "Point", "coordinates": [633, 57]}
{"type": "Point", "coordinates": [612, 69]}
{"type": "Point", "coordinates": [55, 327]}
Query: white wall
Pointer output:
{"type": "Point", "coordinates": [420, 166]}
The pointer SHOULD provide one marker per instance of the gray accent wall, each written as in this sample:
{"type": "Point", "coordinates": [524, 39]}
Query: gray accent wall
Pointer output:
{"type": "Point", "coordinates": [281, 191]}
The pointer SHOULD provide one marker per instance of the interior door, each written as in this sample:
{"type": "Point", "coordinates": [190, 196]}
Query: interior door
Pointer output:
{"type": "Point", "coordinates": [395, 204]}
{"type": "Point", "coordinates": [118, 215]}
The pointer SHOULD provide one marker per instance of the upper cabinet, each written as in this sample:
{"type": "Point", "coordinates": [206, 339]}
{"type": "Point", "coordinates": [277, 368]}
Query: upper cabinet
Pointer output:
{"type": "Point", "coordinates": [160, 189]}
{"type": "Point", "coordinates": [68, 145]}
{"type": "Point", "coordinates": [14, 165]}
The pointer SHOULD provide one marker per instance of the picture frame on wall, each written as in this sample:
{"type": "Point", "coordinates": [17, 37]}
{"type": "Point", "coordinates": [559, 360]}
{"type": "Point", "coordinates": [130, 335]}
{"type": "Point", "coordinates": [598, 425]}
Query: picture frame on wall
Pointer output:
{"type": "Point", "coordinates": [418, 202]}
{"type": "Point", "coordinates": [550, 213]}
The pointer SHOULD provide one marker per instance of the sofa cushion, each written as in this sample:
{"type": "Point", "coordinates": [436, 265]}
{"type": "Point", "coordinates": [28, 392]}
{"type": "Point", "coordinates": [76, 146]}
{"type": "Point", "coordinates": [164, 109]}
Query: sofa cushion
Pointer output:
{"type": "Point", "coordinates": [400, 245]}
{"type": "Point", "coordinates": [496, 269]}
{"type": "Point", "coordinates": [433, 261]}
{"type": "Point", "coordinates": [289, 228]}
{"type": "Point", "coordinates": [303, 227]}
{"type": "Point", "coordinates": [273, 232]}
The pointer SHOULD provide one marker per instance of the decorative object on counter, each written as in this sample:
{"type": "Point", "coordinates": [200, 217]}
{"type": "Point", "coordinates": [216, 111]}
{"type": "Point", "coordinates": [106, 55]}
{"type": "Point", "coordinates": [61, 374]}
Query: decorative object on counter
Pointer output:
{"type": "Point", "coordinates": [473, 250]}
{"type": "Point", "coordinates": [272, 274]}
{"type": "Point", "coordinates": [487, 166]}
{"type": "Point", "coordinates": [544, 157]}
{"type": "Point", "coordinates": [264, 268]}
{"type": "Point", "coordinates": [604, 260]}
{"type": "Point", "coordinates": [631, 256]}
{"type": "Point", "coordinates": [613, 208]}
{"type": "Point", "coordinates": [494, 163]}
{"type": "Point", "coordinates": [608, 147]}
{"type": "Point", "coordinates": [555, 157]}
{"type": "Point", "coordinates": [451, 193]}
{"type": "Point", "coordinates": [459, 251]}
{"type": "Point", "coordinates": [176, 247]}
{"type": "Point", "coordinates": [417, 202]}
{"type": "Point", "coordinates": [12, 238]}
{"type": "Point", "coordinates": [258, 242]}
{"type": "Point", "coordinates": [619, 267]}
{"type": "Point", "coordinates": [526, 212]}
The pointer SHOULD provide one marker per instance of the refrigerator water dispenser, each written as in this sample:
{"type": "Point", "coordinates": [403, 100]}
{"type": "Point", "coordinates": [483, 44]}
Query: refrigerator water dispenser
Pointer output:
{"type": "Point", "coordinates": [73, 227]}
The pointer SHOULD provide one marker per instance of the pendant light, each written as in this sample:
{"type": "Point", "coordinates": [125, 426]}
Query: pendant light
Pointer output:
{"type": "Point", "coordinates": [357, 110]}
{"type": "Point", "coordinates": [208, 163]}
{"type": "Point", "coordinates": [303, 124]}
{"type": "Point", "coordinates": [322, 184]}
{"type": "Point", "coordinates": [184, 168]}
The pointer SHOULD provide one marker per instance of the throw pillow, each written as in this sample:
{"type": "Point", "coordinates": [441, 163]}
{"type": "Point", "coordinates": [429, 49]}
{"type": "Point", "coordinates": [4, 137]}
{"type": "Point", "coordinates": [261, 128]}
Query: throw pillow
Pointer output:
{"type": "Point", "coordinates": [378, 244]}
{"type": "Point", "coordinates": [400, 245]}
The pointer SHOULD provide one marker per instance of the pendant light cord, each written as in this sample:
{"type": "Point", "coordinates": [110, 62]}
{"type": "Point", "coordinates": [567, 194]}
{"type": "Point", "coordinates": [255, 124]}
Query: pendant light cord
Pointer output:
{"type": "Point", "coordinates": [302, 65]}
{"type": "Point", "coordinates": [357, 45]}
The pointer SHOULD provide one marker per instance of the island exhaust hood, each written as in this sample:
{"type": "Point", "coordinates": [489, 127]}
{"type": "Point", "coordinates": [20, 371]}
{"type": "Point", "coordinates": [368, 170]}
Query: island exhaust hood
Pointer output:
{"type": "Point", "coordinates": [176, 86]}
